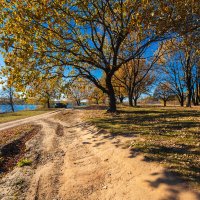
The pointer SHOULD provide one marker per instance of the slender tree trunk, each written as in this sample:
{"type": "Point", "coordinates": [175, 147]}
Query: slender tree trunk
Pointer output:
{"type": "Point", "coordinates": [121, 99]}
{"type": "Point", "coordinates": [97, 101]}
{"type": "Point", "coordinates": [182, 101]}
{"type": "Point", "coordinates": [78, 102]}
{"type": "Point", "coordinates": [135, 101]}
{"type": "Point", "coordinates": [188, 75]}
{"type": "Point", "coordinates": [194, 98]}
{"type": "Point", "coordinates": [164, 103]}
{"type": "Point", "coordinates": [111, 95]}
{"type": "Point", "coordinates": [11, 99]}
{"type": "Point", "coordinates": [180, 97]}
{"type": "Point", "coordinates": [130, 98]}
{"type": "Point", "coordinates": [12, 108]}
{"type": "Point", "coordinates": [197, 86]}
{"type": "Point", "coordinates": [189, 99]}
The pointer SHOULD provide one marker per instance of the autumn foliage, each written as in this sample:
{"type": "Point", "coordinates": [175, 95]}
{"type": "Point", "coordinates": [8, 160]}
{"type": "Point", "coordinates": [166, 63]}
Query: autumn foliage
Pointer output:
{"type": "Point", "coordinates": [45, 38]}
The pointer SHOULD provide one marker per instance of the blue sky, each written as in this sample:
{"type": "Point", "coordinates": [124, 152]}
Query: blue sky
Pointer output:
{"type": "Point", "coordinates": [1, 64]}
{"type": "Point", "coordinates": [1, 61]}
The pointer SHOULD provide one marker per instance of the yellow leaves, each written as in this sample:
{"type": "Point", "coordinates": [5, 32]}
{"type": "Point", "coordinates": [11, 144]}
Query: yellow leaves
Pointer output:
{"type": "Point", "coordinates": [44, 31]}
{"type": "Point", "coordinates": [152, 14]}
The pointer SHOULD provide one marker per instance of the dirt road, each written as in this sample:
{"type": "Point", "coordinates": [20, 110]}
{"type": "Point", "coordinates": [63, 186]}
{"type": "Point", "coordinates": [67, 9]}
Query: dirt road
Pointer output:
{"type": "Point", "coordinates": [11, 124]}
{"type": "Point", "coordinates": [75, 161]}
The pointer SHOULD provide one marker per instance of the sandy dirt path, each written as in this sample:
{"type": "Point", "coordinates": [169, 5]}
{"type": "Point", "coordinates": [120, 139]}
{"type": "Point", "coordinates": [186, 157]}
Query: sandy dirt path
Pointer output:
{"type": "Point", "coordinates": [75, 161]}
{"type": "Point", "coordinates": [26, 120]}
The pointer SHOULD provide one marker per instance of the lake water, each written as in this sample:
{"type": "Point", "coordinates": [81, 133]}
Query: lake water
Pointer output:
{"type": "Point", "coordinates": [7, 108]}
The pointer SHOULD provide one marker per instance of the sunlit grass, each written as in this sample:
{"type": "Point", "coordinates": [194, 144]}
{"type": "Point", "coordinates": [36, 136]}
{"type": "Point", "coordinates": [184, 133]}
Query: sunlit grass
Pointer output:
{"type": "Point", "coordinates": [170, 136]}
{"type": "Point", "coordinates": [6, 117]}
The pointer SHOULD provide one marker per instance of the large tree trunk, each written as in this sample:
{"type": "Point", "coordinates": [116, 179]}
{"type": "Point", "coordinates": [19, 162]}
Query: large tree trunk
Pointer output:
{"type": "Point", "coordinates": [112, 102]}
{"type": "Point", "coordinates": [48, 103]}
{"type": "Point", "coordinates": [111, 95]}
{"type": "Point", "coordinates": [164, 103]}
{"type": "Point", "coordinates": [130, 100]}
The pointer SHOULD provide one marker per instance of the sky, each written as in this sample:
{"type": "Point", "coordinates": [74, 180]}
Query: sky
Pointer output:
{"type": "Point", "coordinates": [1, 61]}
{"type": "Point", "coordinates": [1, 64]}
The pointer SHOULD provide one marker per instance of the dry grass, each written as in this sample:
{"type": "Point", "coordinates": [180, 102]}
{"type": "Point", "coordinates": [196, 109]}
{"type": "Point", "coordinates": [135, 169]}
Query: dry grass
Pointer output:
{"type": "Point", "coordinates": [6, 117]}
{"type": "Point", "coordinates": [170, 136]}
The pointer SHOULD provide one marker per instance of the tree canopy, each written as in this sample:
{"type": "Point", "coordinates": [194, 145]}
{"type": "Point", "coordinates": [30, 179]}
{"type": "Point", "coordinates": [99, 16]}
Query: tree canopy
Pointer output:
{"type": "Point", "coordinates": [56, 36]}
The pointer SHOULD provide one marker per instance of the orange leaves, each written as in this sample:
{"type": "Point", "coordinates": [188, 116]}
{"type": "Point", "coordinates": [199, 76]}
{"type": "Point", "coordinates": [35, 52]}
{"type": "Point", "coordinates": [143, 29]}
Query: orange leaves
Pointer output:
{"type": "Point", "coordinates": [90, 35]}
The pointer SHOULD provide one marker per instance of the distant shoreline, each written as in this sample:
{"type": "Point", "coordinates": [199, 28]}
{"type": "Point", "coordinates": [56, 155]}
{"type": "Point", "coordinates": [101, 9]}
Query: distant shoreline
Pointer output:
{"type": "Point", "coordinates": [5, 108]}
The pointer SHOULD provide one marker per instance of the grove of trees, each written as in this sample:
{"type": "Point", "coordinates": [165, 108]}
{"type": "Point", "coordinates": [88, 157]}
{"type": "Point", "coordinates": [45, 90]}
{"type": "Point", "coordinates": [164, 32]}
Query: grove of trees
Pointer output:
{"type": "Point", "coordinates": [121, 48]}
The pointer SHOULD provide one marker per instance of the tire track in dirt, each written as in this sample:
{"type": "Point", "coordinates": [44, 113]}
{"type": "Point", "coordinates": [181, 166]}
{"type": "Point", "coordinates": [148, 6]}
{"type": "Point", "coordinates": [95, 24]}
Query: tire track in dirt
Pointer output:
{"type": "Point", "coordinates": [84, 173]}
{"type": "Point", "coordinates": [45, 183]}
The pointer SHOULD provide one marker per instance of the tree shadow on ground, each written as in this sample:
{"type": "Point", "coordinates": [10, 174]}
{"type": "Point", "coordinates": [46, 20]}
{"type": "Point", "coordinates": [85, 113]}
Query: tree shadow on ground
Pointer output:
{"type": "Point", "coordinates": [170, 179]}
{"type": "Point", "coordinates": [93, 107]}
{"type": "Point", "coordinates": [170, 137]}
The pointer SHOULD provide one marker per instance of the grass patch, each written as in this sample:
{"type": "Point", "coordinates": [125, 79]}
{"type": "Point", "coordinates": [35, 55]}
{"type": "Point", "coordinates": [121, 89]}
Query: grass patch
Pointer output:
{"type": "Point", "coordinates": [6, 117]}
{"type": "Point", "coordinates": [170, 136]}
{"type": "Point", "coordinates": [24, 162]}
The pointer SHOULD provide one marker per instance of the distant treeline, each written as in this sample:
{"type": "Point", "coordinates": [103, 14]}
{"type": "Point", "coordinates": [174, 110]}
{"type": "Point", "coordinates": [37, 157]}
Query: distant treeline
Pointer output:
{"type": "Point", "coordinates": [5, 101]}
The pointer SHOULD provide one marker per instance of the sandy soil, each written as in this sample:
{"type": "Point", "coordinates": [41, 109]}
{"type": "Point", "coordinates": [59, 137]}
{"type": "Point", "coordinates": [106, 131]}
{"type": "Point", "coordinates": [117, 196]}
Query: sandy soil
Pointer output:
{"type": "Point", "coordinates": [75, 161]}
{"type": "Point", "coordinates": [18, 122]}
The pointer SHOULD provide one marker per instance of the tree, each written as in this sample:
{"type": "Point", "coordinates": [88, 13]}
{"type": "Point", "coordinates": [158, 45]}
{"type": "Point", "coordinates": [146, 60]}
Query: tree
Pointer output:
{"type": "Point", "coordinates": [97, 95]}
{"type": "Point", "coordinates": [8, 96]}
{"type": "Point", "coordinates": [196, 88]}
{"type": "Point", "coordinates": [143, 87]}
{"type": "Point", "coordinates": [87, 35]}
{"type": "Point", "coordinates": [9, 93]}
{"type": "Point", "coordinates": [180, 65]}
{"type": "Point", "coordinates": [120, 92]}
{"type": "Point", "coordinates": [44, 91]}
{"type": "Point", "coordinates": [78, 90]}
{"type": "Point", "coordinates": [163, 92]}
{"type": "Point", "coordinates": [133, 75]}
{"type": "Point", "coordinates": [188, 59]}
{"type": "Point", "coordinates": [175, 76]}
{"type": "Point", "coordinates": [172, 72]}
